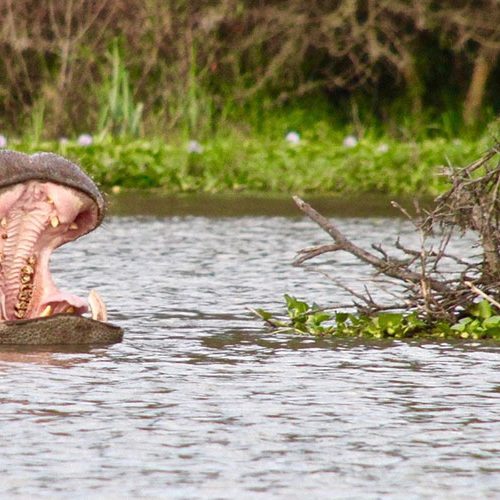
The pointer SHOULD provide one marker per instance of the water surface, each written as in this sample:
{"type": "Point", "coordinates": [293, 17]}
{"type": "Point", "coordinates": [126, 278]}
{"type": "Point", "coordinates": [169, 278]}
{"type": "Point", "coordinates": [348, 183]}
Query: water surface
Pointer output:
{"type": "Point", "coordinates": [200, 401]}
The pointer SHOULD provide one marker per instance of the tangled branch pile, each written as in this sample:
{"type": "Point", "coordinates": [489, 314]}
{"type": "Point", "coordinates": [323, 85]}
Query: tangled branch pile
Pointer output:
{"type": "Point", "coordinates": [430, 288]}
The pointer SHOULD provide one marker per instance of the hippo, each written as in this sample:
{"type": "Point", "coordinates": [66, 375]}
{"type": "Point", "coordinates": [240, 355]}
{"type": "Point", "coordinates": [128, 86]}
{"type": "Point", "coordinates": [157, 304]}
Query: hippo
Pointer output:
{"type": "Point", "coordinates": [46, 201]}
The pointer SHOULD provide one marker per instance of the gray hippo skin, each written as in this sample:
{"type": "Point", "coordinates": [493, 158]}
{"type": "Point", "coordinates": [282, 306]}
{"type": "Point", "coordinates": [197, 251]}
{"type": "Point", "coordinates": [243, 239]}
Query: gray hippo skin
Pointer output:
{"type": "Point", "coordinates": [45, 201]}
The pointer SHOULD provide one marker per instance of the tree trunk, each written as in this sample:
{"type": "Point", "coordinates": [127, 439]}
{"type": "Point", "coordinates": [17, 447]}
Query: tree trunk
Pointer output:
{"type": "Point", "coordinates": [483, 65]}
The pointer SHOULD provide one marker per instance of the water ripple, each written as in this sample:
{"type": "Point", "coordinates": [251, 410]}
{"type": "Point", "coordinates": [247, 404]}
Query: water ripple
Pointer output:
{"type": "Point", "coordinates": [200, 402]}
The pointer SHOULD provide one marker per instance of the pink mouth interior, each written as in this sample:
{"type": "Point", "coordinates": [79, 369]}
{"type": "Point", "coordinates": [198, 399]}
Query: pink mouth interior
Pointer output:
{"type": "Point", "coordinates": [35, 218]}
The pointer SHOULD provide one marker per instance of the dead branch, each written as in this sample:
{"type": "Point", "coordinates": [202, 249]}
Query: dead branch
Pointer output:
{"type": "Point", "coordinates": [479, 292]}
{"type": "Point", "coordinates": [390, 267]}
{"type": "Point", "coordinates": [310, 252]}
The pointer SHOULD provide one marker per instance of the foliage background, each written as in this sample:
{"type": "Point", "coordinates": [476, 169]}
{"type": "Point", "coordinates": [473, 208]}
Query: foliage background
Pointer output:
{"type": "Point", "coordinates": [202, 66]}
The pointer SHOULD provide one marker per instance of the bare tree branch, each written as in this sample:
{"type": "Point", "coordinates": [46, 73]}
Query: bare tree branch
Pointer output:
{"type": "Point", "coordinates": [390, 268]}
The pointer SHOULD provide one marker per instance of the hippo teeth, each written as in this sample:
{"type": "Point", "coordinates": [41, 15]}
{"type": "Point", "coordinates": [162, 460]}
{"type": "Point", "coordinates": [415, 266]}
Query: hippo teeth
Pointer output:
{"type": "Point", "coordinates": [37, 217]}
{"type": "Point", "coordinates": [46, 312]}
{"type": "Point", "coordinates": [97, 306]}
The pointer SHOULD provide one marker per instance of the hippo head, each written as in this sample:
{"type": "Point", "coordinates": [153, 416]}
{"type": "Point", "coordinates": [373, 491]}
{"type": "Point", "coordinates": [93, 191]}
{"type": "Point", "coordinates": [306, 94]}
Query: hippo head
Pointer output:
{"type": "Point", "coordinates": [45, 201]}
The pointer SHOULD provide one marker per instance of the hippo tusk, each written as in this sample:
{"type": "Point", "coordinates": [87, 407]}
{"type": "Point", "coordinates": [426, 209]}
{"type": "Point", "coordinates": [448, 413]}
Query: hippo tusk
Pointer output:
{"type": "Point", "coordinates": [97, 306]}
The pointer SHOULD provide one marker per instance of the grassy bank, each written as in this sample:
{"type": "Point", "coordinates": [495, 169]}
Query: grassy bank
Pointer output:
{"type": "Point", "coordinates": [320, 160]}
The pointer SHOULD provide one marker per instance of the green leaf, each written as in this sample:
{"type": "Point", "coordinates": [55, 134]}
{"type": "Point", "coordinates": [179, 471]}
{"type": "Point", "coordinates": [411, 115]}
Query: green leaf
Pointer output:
{"type": "Point", "coordinates": [295, 307]}
{"type": "Point", "coordinates": [315, 320]}
{"type": "Point", "coordinates": [461, 325]}
{"type": "Point", "coordinates": [482, 310]}
{"type": "Point", "coordinates": [389, 320]}
{"type": "Point", "coordinates": [341, 317]}
{"type": "Point", "coordinates": [492, 322]}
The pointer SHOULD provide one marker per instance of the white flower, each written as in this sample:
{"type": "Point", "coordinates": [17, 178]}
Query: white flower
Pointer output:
{"type": "Point", "coordinates": [63, 140]}
{"type": "Point", "coordinates": [194, 147]}
{"type": "Point", "coordinates": [85, 140]}
{"type": "Point", "coordinates": [292, 137]}
{"type": "Point", "coordinates": [383, 148]}
{"type": "Point", "coordinates": [350, 141]}
{"type": "Point", "coordinates": [3, 141]}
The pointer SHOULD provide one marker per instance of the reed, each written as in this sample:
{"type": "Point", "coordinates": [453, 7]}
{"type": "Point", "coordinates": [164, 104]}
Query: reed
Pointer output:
{"type": "Point", "coordinates": [119, 114]}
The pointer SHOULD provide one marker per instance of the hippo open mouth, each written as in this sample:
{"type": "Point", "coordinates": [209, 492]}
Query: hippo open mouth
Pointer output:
{"type": "Point", "coordinates": [45, 201]}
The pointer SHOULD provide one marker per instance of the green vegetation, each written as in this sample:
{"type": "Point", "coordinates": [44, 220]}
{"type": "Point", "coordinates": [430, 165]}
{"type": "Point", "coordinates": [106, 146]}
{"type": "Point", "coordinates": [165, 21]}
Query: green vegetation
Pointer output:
{"type": "Point", "coordinates": [318, 163]}
{"type": "Point", "coordinates": [482, 321]}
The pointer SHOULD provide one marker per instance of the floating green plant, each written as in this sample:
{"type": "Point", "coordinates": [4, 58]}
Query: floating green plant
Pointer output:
{"type": "Point", "coordinates": [481, 321]}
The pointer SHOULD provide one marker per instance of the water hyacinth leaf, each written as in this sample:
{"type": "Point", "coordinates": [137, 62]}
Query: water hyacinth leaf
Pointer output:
{"type": "Point", "coordinates": [461, 326]}
{"type": "Point", "coordinates": [321, 317]}
{"type": "Point", "coordinates": [491, 326]}
{"type": "Point", "coordinates": [341, 317]}
{"type": "Point", "coordinates": [482, 310]}
{"type": "Point", "coordinates": [491, 323]}
{"type": "Point", "coordinates": [303, 319]}
{"type": "Point", "coordinates": [389, 320]}
{"type": "Point", "coordinates": [295, 306]}
{"type": "Point", "coordinates": [314, 322]}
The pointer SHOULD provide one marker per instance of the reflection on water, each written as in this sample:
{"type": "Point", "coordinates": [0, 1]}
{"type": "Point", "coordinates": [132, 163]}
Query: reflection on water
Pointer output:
{"type": "Point", "coordinates": [257, 204]}
{"type": "Point", "coordinates": [200, 401]}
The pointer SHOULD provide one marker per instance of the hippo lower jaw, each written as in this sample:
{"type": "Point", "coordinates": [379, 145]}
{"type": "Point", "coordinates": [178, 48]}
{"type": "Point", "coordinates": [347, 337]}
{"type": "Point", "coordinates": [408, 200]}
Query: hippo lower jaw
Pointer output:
{"type": "Point", "coordinates": [45, 201]}
{"type": "Point", "coordinates": [60, 329]}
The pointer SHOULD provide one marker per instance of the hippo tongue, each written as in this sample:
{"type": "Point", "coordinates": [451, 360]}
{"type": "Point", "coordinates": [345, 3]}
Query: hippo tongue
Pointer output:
{"type": "Point", "coordinates": [36, 218]}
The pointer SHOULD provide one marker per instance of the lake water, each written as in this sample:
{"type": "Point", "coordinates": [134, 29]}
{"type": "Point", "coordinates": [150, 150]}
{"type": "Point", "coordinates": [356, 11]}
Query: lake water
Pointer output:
{"type": "Point", "coordinates": [201, 401]}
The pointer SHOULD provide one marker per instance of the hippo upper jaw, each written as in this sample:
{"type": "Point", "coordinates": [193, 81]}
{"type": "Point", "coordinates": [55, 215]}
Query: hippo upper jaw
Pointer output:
{"type": "Point", "coordinates": [45, 201]}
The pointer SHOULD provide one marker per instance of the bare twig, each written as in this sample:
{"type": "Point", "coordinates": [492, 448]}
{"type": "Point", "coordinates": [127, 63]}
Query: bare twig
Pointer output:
{"type": "Point", "coordinates": [479, 292]}
{"type": "Point", "coordinates": [310, 252]}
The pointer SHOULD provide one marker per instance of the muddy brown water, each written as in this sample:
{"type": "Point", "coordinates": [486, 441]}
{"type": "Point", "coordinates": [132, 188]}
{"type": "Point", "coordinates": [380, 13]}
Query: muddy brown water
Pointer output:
{"type": "Point", "coordinates": [201, 401]}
